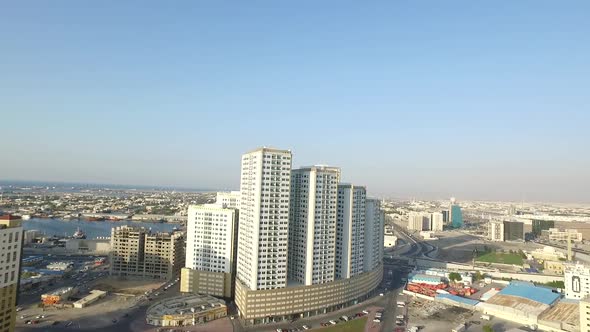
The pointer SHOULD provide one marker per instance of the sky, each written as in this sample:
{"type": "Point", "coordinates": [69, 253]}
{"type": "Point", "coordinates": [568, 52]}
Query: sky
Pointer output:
{"type": "Point", "coordinates": [414, 99]}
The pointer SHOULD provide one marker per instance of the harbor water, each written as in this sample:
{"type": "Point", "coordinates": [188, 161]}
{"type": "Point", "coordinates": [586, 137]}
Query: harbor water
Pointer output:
{"type": "Point", "coordinates": [93, 229]}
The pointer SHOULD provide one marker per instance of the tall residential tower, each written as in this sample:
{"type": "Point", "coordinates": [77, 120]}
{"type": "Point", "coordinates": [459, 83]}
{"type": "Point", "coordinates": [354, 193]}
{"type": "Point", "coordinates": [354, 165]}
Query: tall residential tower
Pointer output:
{"type": "Point", "coordinates": [264, 218]}
{"type": "Point", "coordinates": [350, 231]}
{"type": "Point", "coordinates": [11, 233]}
{"type": "Point", "coordinates": [312, 224]}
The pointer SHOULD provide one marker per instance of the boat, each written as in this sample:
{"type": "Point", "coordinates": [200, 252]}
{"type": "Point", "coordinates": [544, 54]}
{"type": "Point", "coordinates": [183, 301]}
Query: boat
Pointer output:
{"type": "Point", "coordinates": [26, 216]}
{"type": "Point", "coordinates": [79, 234]}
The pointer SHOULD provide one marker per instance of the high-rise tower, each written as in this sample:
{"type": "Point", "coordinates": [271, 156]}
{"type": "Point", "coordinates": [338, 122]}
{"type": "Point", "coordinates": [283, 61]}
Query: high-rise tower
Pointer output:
{"type": "Point", "coordinates": [264, 218]}
{"type": "Point", "coordinates": [312, 224]}
{"type": "Point", "coordinates": [350, 231]}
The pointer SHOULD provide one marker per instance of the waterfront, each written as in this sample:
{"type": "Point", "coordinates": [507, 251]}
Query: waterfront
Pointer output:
{"type": "Point", "coordinates": [93, 229]}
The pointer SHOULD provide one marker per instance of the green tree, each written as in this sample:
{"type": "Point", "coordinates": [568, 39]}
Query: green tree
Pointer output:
{"type": "Point", "coordinates": [454, 276]}
{"type": "Point", "coordinates": [488, 328]}
{"type": "Point", "coordinates": [478, 276]}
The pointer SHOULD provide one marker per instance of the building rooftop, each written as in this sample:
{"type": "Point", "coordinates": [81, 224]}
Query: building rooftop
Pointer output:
{"type": "Point", "coordinates": [184, 305]}
{"type": "Point", "coordinates": [458, 299]}
{"type": "Point", "coordinates": [530, 292]}
{"type": "Point", "coordinates": [565, 311]}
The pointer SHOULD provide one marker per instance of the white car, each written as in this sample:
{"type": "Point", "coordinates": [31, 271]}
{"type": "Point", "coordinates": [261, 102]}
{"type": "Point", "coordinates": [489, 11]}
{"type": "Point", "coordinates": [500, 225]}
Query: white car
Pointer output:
{"type": "Point", "coordinates": [305, 327]}
{"type": "Point", "coordinates": [377, 320]}
{"type": "Point", "coordinates": [333, 322]}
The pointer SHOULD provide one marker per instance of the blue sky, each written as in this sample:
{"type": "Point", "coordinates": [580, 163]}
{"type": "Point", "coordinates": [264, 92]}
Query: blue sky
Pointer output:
{"type": "Point", "coordinates": [480, 100]}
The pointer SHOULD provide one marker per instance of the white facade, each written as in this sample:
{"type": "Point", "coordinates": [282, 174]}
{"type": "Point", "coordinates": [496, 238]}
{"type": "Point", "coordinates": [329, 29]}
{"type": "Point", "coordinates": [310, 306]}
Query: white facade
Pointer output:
{"type": "Point", "coordinates": [556, 234]}
{"type": "Point", "coordinates": [229, 199]}
{"type": "Point", "coordinates": [374, 224]}
{"type": "Point", "coordinates": [418, 221]}
{"type": "Point", "coordinates": [577, 281]}
{"type": "Point", "coordinates": [312, 224]}
{"type": "Point", "coordinates": [211, 232]}
{"type": "Point", "coordinates": [496, 230]}
{"type": "Point", "coordinates": [350, 231]}
{"type": "Point", "coordinates": [585, 314]}
{"type": "Point", "coordinates": [264, 218]}
{"type": "Point", "coordinates": [11, 233]}
{"type": "Point", "coordinates": [436, 222]}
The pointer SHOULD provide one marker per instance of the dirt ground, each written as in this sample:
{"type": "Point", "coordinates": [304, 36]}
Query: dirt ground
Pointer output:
{"type": "Point", "coordinates": [131, 287]}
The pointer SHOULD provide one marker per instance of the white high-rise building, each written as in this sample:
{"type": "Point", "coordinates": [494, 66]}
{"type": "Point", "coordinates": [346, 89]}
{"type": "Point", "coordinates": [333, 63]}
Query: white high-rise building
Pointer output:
{"type": "Point", "coordinates": [350, 231]}
{"type": "Point", "coordinates": [11, 233]}
{"type": "Point", "coordinates": [312, 224]}
{"type": "Point", "coordinates": [577, 281]}
{"type": "Point", "coordinates": [418, 221]}
{"type": "Point", "coordinates": [229, 199]}
{"type": "Point", "coordinates": [264, 218]}
{"type": "Point", "coordinates": [436, 221]}
{"type": "Point", "coordinates": [212, 232]}
{"type": "Point", "coordinates": [496, 230]}
{"type": "Point", "coordinates": [374, 225]}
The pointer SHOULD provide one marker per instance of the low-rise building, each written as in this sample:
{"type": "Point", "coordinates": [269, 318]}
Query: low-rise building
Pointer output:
{"type": "Point", "coordinates": [60, 266]}
{"type": "Point", "coordinates": [84, 246]}
{"type": "Point", "coordinates": [58, 296]}
{"type": "Point", "coordinates": [547, 253]}
{"type": "Point", "coordinates": [556, 234]}
{"type": "Point", "coordinates": [389, 240]}
{"type": "Point", "coordinates": [496, 230]}
{"type": "Point", "coordinates": [94, 296]}
{"type": "Point", "coordinates": [186, 310]}
{"type": "Point", "coordinates": [555, 267]}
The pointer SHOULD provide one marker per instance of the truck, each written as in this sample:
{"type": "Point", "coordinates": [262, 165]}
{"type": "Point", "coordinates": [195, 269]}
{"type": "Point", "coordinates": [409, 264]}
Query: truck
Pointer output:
{"type": "Point", "coordinates": [459, 328]}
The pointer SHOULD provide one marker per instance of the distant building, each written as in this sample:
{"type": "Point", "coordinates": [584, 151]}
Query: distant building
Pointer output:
{"type": "Point", "coordinates": [312, 224]}
{"type": "Point", "coordinates": [136, 252]}
{"type": "Point", "coordinates": [374, 224]}
{"type": "Point", "coordinates": [350, 231]}
{"type": "Point", "coordinates": [11, 233]}
{"type": "Point", "coordinates": [496, 230]}
{"type": "Point", "coordinates": [547, 253]}
{"type": "Point", "coordinates": [211, 247]}
{"type": "Point", "coordinates": [577, 280]}
{"type": "Point", "coordinates": [540, 225]}
{"type": "Point", "coordinates": [389, 240]}
{"type": "Point", "coordinates": [436, 222]}
{"type": "Point", "coordinates": [513, 231]}
{"type": "Point", "coordinates": [418, 221]}
{"type": "Point", "coordinates": [555, 267]}
{"type": "Point", "coordinates": [446, 218]}
{"type": "Point", "coordinates": [556, 234]}
{"type": "Point", "coordinates": [456, 216]}
{"type": "Point", "coordinates": [229, 199]}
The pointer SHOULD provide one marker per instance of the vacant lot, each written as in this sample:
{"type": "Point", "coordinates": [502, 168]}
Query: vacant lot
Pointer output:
{"type": "Point", "coordinates": [493, 257]}
{"type": "Point", "coordinates": [355, 325]}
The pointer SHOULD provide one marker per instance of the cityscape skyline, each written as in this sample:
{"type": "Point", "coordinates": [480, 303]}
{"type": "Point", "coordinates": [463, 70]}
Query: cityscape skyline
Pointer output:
{"type": "Point", "coordinates": [436, 100]}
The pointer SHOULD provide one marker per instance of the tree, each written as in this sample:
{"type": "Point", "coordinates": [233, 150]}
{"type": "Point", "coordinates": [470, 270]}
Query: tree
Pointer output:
{"type": "Point", "coordinates": [488, 328]}
{"type": "Point", "coordinates": [478, 276]}
{"type": "Point", "coordinates": [454, 276]}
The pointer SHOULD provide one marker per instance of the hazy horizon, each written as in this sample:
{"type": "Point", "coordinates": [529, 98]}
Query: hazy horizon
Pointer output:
{"type": "Point", "coordinates": [485, 101]}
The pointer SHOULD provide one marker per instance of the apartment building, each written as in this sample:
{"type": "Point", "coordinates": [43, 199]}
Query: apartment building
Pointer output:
{"type": "Point", "coordinates": [11, 237]}
{"type": "Point", "coordinates": [137, 252]}
{"type": "Point", "coordinates": [556, 234]}
{"type": "Point", "coordinates": [264, 218]}
{"type": "Point", "coordinates": [212, 232]}
{"type": "Point", "coordinates": [436, 222]}
{"type": "Point", "coordinates": [577, 280]}
{"type": "Point", "coordinates": [350, 231]}
{"type": "Point", "coordinates": [229, 199]}
{"type": "Point", "coordinates": [496, 230]}
{"type": "Point", "coordinates": [312, 224]}
{"type": "Point", "coordinates": [374, 238]}
{"type": "Point", "coordinates": [585, 314]}
{"type": "Point", "coordinates": [418, 221]}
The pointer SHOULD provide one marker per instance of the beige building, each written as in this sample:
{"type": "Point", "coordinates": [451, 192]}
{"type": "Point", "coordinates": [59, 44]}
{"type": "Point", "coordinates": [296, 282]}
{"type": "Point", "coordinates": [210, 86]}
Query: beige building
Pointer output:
{"type": "Point", "coordinates": [11, 237]}
{"type": "Point", "coordinates": [186, 310]}
{"type": "Point", "coordinates": [136, 252]}
{"type": "Point", "coordinates": [418, 221]}
{"type": "Point", "coordinates": [555, 267]}
{"type": "Point", "coordinates": [556, 234]}
{"type": "Point", "coordinates": [263, 306]}
{"type": "Point", "coordinates": [585, 314]}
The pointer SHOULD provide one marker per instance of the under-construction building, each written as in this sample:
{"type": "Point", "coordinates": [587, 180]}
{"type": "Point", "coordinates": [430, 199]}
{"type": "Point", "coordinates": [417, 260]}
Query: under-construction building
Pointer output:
{"type": "Point", "coordinates": [137, 252]}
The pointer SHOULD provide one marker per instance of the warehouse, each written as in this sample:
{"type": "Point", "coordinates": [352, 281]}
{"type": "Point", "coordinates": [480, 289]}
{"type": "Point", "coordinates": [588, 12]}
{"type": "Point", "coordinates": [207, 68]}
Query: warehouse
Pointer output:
{"type": "Point", "coordinates": [94, 296]}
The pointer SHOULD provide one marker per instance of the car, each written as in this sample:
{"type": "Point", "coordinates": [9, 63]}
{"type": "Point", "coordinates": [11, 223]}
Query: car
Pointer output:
{"type": "Point", "coordinates": [366, 312]}
{"type": "Point", "coordinates": [400, 316]}
{"type": "Point", "coordinates": [305, 327]}
{"type": "Point", "coordinates": [28, 322]}
{"type": "Point", "coordinates": [19, 309]}
{"type": "Point", "coordinates": [333, 322]}
{"type": "Point", "coordinates": [376, 320]}
{"type": "Point", "coordinates": [114, 320]}
{"type": "Point", "coordinates": [55, 323]}
{"type": "Point", "coordinates": [279, 330]}
{"type": "Point", "coordinates": [399, 322]}
{"type": "Point", "coordinates": [36, 321]}
{"type": "Point", "coordinates": [69, 324]}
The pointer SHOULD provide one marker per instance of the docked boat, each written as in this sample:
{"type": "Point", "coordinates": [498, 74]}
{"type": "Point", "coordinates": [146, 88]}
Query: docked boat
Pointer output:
{"type": "Point", "coordinates": [79, 234]}
{"type": "Point", "coordinates": [26, 216]}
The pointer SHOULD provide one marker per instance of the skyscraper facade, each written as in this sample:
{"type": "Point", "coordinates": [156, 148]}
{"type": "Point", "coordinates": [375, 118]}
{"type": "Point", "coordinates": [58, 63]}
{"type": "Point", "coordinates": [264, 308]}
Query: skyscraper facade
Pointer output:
{"type": "Point", "coordinates": [374, 225]}
{"type": "Point", "coordinates": [264, 218]}
{"type": "Point", "coordinates": [436, 221]}
{"type": "Point", "coordinates": [11, 236]}
{"type": "Point", "coordinates": [210, 250]}
{"type": "Point", "coordinates": [312, 224]}
{"type": "Point", "coordinates": [456, 216]}
{"type": "Point", "coordinates": [350, 230]}
{"type": "Point", "coordinates": [229, 199]}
